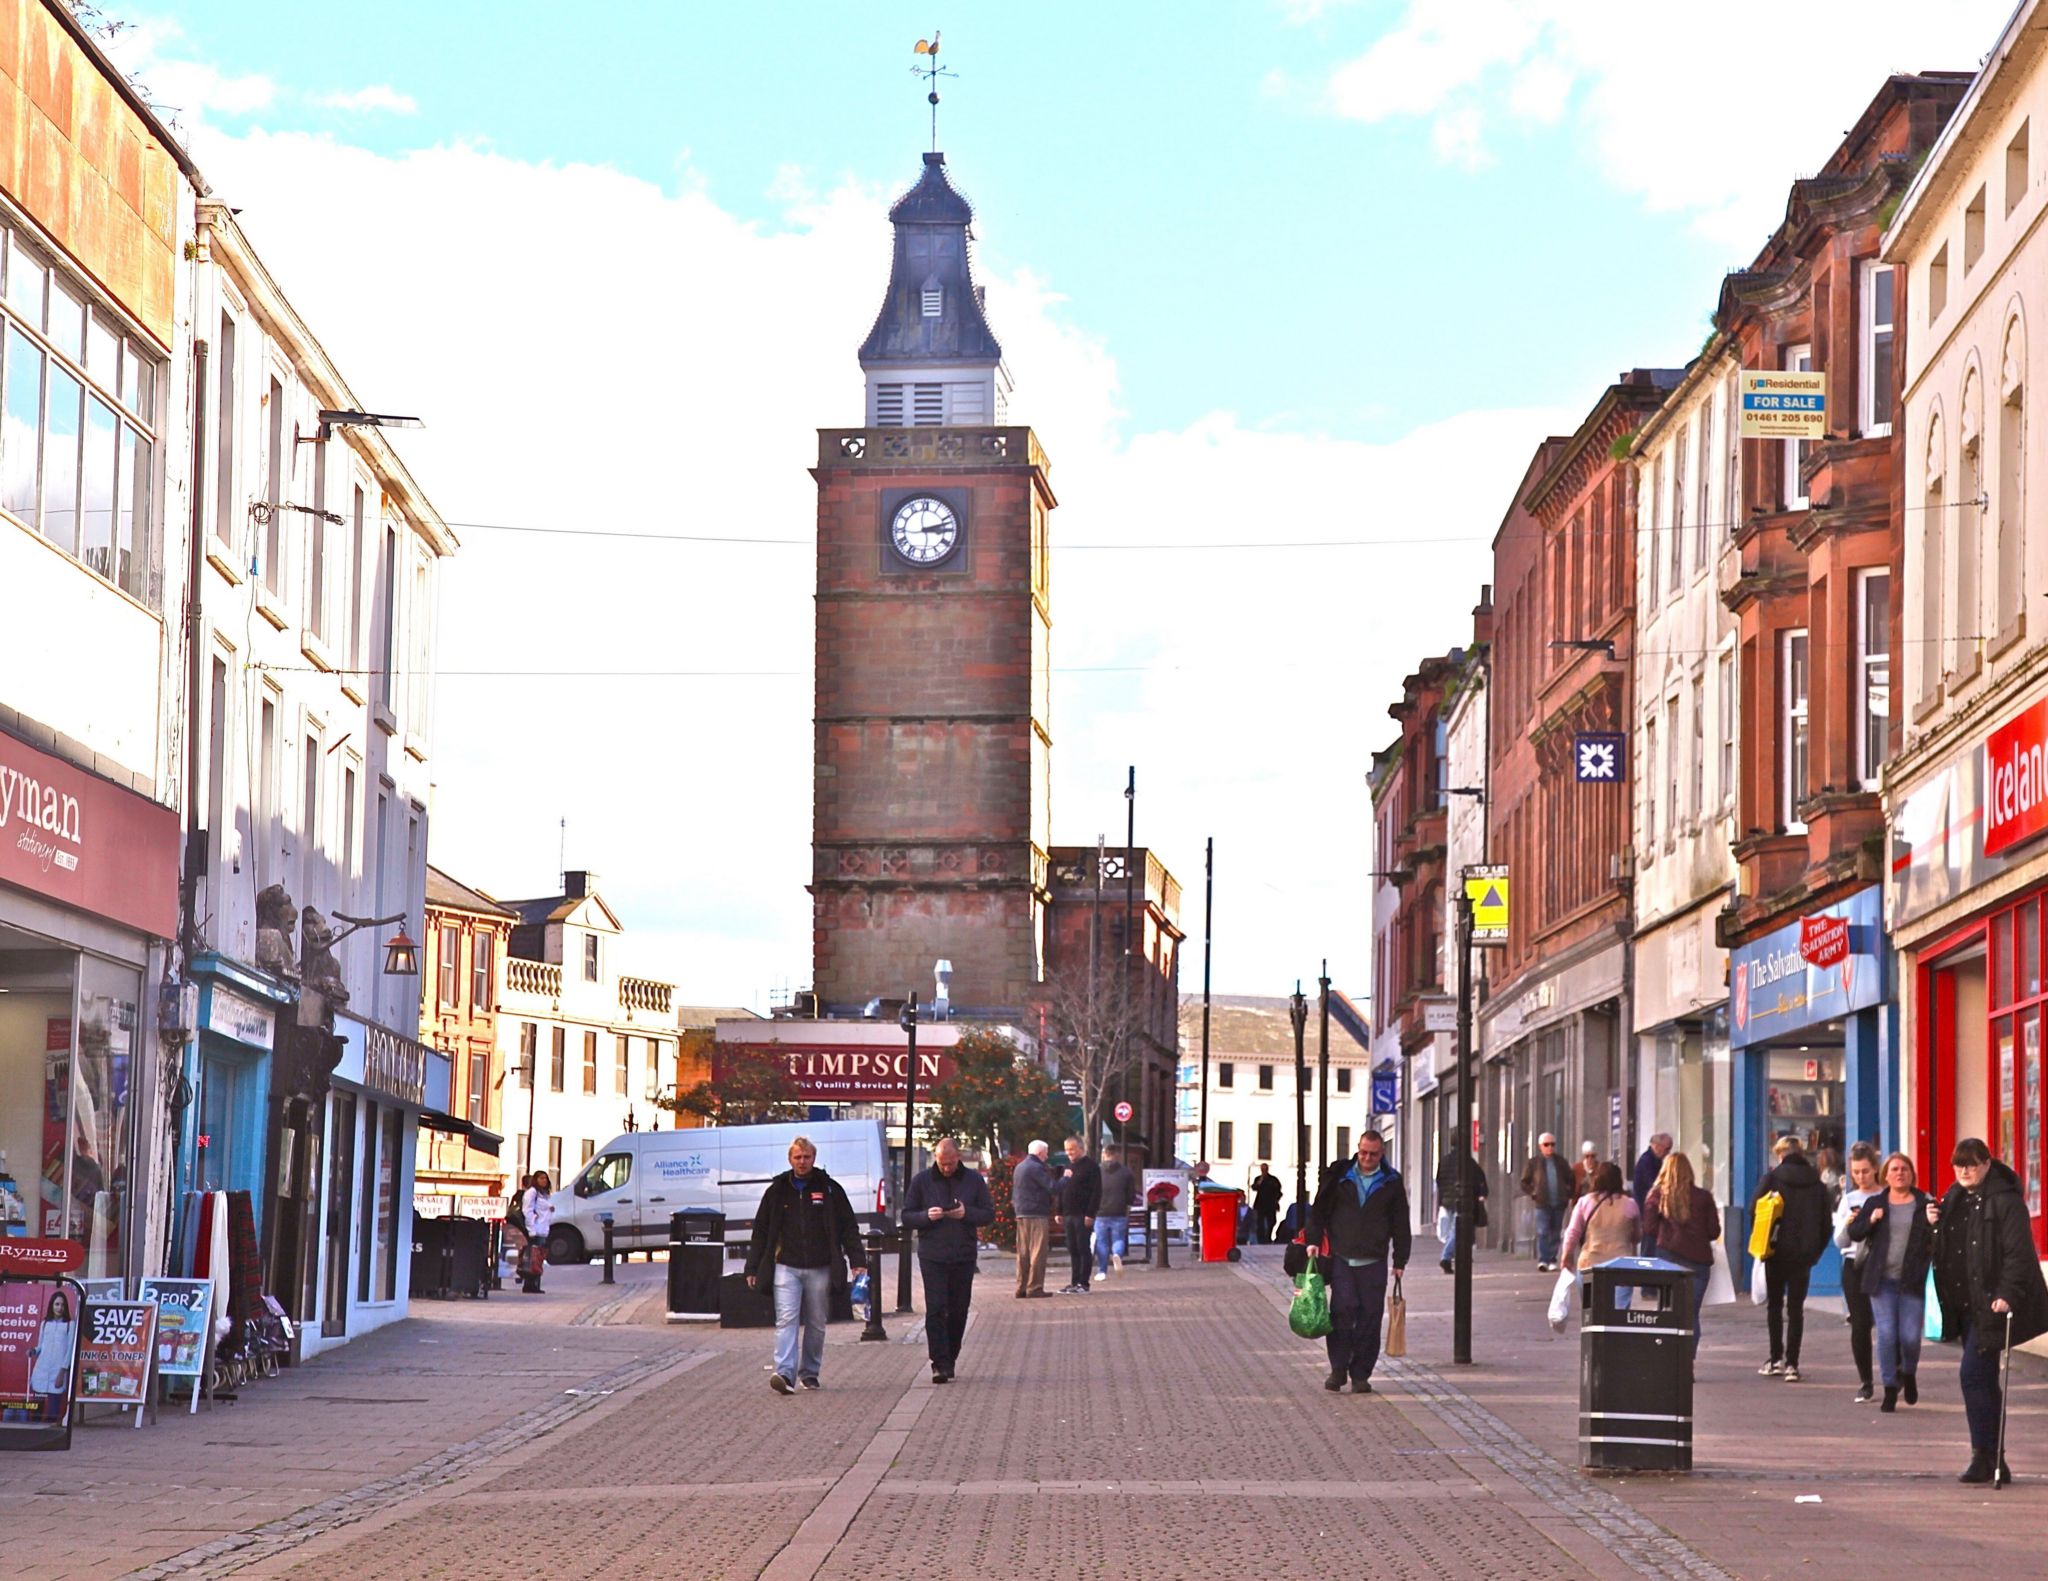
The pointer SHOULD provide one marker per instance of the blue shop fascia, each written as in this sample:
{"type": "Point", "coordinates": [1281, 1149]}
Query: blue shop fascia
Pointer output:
{"type": "Point", "coordinates": [1813, 1034]}
{"type": "Point", "coordinates": [223, 1128]}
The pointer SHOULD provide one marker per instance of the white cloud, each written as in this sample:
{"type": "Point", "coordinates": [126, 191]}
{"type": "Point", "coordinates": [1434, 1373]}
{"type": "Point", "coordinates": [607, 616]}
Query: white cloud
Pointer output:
{"type": "Point", "coordinates": [1667, 98]}
{"type": "Point", "coordinates": [649, 361]}
{"type": "Point", "coordinates": [359, 101]}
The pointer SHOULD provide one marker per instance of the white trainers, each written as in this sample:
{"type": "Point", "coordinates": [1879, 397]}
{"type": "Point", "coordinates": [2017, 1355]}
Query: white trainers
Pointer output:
{"type": "Point", "coordinates": [1116, 1263]}
{"type": "Point", "coordinates": [1101, 1274]}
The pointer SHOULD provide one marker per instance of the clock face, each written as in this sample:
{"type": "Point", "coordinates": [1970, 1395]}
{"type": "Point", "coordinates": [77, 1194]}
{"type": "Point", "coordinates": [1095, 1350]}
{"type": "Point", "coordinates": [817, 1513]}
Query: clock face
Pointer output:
{"type": "Point", "coordinates": [924, 530]}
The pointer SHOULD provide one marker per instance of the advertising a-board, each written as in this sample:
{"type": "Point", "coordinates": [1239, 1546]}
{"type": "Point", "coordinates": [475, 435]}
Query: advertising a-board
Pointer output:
{"type": "Point", "coordinates": [184, 1326]}
{"type": "Point", "coordinates": [114, 1354]}
{"type": "Point", "coordinates": [38, 1350]}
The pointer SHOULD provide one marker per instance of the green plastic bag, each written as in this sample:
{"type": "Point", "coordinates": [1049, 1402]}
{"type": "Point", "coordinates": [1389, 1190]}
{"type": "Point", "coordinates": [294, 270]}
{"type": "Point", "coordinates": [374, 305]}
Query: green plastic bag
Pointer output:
{"type": "Point", "coordinates": [1309, 1313]}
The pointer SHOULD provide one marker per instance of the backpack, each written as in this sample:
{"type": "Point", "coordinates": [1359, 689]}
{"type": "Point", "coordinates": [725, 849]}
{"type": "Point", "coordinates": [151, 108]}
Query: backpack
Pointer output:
{"type": "Point", "coordinates": [515, 1214]}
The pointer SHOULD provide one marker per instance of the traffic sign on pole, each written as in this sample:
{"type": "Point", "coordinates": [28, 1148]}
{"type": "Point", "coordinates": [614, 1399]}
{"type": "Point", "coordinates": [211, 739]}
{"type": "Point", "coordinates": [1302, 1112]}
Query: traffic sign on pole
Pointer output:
{"type": "Point", "coordinates": [1123, 1113]}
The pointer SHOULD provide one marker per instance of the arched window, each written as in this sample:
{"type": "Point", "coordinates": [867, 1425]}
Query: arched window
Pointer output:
{"type": "Point", "coordinates": [2011, 592]}
{"type": "Point", "coordinates": [1966, 532]}
{"type": "Point", "coordinates": [1925, 652]}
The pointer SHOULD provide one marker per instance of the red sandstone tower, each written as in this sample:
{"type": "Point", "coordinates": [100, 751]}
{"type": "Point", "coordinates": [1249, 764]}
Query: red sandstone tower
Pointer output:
{"type": "Point", "coordinates": [932, 803]}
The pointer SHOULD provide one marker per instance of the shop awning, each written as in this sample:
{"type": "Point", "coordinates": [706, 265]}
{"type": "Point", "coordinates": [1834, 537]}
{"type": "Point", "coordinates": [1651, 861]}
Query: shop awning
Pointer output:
{"type": "Point", "coordinates": [477, 1137]}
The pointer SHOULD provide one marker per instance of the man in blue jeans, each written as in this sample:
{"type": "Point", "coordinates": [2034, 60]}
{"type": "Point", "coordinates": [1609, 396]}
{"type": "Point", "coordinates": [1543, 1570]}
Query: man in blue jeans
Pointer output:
{"type": "Point", "coordinates": [1113, 1219]}
{"type": "Point", "coordinates": [1547, 1183]}
{"type": "Point", "coordinates": [803, 1224]}
{"type": "Point", "coordinates": [1363, 1209]}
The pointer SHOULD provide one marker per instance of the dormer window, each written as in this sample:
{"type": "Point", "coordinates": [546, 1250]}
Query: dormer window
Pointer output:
{"type": "Point", "coordinates": [934, 297]}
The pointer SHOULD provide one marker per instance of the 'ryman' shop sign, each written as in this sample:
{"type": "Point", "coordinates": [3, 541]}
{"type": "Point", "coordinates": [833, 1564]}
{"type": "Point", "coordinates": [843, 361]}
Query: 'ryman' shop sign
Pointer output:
{"type": "Point", "coordinates": [1807, 971]}
{"type": "Point", "coordinates": [86, 842]}
{"type": "Point", "coordinates": [844, 1072]}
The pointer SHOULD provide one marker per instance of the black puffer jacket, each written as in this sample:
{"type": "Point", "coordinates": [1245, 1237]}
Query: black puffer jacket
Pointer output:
{"type": "Point", "coordinates": [1377, 1228]}
{"type": "Point", "coordinates": [803, 1224]}
{"type": "Point", "coordinates": [1983, 1249]}
{"type": "Point", "coordinates": [1806, 1226]}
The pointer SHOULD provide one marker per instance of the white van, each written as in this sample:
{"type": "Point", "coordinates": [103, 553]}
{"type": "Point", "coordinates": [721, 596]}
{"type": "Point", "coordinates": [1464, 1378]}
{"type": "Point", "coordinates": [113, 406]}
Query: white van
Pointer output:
{"type": "Point", "coordinates": [642, 1177]}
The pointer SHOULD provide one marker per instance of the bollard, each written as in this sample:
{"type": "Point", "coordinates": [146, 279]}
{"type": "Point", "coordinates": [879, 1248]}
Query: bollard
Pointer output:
{"type": "Point", "coordinates": [1159, 1234]}
{"type": "Point", "coordinates": [874, 1329]}
{"type": "Point", "coordinates": [608, 1249]}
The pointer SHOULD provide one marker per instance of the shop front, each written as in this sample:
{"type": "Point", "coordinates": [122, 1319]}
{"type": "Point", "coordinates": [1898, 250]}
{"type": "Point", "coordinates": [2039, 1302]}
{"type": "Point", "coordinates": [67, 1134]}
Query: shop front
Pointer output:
{"type": "Point", "coordinates": [88, 897]}
{"type": "Point", "coordinates": [1968, 902]}
{"type": "Point", "coordinates": [1813, 1036]}
{"type": "Point", "coordinates": [357, 1189]}
{"type": "Point", "coordinates": [1555, 1060]}
{"type": "Point", "coordinates": [1683, 1082]}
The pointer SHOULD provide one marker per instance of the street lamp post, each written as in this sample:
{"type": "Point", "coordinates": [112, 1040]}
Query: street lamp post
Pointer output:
{"type": "Point", "coordinates": [1323, 1079]}
{"type": "Point", "coordinates": [1461, 1290]}
{"type": "Point", "coordinates": [1297, 1011]}
{"type": "Point", "coordinates": [908, 1021]}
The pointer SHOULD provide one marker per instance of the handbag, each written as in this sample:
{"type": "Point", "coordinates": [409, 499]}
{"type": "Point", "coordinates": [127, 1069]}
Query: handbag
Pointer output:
{"type": "Point", "coordinates": [1932, 1324]}
{"type": "Point", "coordinates": [1479, 1215]}
{"type": "Point", "coordinates": [1294, 1261]}
{"type": "Point", "coordinates": [1308, 1314]}
{"type": "Point", "coordinates": [1763, 1227]}
{"type": "Point", "coordinates": [1397, 1321]}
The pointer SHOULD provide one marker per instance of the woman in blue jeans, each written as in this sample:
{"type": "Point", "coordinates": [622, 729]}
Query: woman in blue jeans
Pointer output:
{"type": "Point", "coordinates": [1893, 1226]}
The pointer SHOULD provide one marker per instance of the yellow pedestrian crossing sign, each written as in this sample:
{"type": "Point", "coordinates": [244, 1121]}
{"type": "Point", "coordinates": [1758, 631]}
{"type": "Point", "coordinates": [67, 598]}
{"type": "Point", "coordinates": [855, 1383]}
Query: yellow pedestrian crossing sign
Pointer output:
{"type": "Point", "coordinates": [1486, 887]}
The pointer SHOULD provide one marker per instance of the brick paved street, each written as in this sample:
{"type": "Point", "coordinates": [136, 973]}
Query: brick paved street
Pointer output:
{"type": "Point", "coordinates": [1166, 1426]}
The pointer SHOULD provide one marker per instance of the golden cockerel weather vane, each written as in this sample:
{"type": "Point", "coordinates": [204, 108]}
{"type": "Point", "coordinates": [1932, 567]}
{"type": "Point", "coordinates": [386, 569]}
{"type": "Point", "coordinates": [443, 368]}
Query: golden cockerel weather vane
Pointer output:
{"type": "Point", "coordinates": [932, 71]}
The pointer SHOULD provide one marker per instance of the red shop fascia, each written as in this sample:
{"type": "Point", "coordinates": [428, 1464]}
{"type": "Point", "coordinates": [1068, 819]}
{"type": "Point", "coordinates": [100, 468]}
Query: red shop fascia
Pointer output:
{"type": "Point", "coordinates": [1980, 985]}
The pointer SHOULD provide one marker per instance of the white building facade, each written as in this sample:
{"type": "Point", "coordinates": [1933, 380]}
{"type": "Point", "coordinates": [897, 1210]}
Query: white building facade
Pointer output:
{"type": "Point", "coordinates": [1966, 798]}
{"type": "Point", "coordinates": [1684, 762]}
{"type": "Point", "coordinates": [586, 1048]}
{"type": "Point", "coordinates": [310, 723]}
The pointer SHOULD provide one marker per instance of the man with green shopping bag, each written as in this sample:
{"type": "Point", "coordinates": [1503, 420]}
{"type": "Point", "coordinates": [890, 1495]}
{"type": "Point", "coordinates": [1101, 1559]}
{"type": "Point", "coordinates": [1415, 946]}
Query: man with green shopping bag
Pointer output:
{"type": "Point", "coordinates": [1363, 1210]}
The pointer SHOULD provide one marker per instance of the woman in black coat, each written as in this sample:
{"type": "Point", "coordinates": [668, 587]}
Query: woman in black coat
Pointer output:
{"type": "Point", "coordinates": [1988, 1281]}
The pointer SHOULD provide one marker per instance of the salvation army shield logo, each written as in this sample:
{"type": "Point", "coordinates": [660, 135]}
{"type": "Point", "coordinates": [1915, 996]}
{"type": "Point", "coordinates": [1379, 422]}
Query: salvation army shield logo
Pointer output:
{"type": "Point", "coordinates": [1741, 995]}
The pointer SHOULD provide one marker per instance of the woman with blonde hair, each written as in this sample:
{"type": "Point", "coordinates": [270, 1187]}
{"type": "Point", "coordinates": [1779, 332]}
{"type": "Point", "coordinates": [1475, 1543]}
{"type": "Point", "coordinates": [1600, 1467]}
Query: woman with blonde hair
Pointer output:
{"type": "Point", "coordinates": [1681, 1222]}
{"type": "Point", "coordinates": [1893, 1224]}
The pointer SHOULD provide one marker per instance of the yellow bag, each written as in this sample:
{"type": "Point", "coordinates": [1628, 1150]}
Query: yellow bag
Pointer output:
{"type": "Point", "coordinates": [1763, 1227]}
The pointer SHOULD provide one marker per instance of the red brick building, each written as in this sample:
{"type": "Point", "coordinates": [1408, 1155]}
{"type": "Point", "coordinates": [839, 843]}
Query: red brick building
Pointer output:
{"type": "Point", "coordinates": [1554, 1029]}
{"type": "Point", "coordinates": [468, 936]}
{"type": "Point", "coordinates": [1089, 924]}
{"type": "Point", "coordinates": [1810, 570]}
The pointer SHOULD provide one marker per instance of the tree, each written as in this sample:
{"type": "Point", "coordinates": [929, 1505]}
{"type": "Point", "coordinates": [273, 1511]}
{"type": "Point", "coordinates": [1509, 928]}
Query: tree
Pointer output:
{"type": "Point", "coordinates": [744, 1089]}
{"type": "Point", "coordinates": [1096, 1018]}
{"type": "Point", "coordinates": [996, 1098]}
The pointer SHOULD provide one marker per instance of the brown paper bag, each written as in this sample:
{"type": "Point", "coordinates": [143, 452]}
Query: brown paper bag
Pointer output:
{"type": "Point", "coordinates": [1397, 1321]}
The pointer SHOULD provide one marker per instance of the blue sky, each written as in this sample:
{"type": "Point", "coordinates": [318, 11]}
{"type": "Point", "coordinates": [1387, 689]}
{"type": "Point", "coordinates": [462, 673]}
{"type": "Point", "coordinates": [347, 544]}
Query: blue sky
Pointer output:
{"type": "Point", "coordinates": [1306, 269]}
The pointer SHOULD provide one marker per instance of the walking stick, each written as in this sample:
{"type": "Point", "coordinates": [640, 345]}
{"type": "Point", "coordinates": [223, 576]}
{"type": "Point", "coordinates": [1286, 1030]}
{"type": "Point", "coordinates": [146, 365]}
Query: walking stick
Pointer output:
{"type": "Point", "coordinates": [1998, 1478]}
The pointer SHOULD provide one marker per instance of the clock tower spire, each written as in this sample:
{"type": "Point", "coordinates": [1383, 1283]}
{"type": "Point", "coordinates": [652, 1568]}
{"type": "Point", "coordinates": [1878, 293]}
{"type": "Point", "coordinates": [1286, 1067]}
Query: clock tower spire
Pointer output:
{"type": "Point", "coordinates": [931, 360]}
{"type": "Point", "coordinates": [931, 811]}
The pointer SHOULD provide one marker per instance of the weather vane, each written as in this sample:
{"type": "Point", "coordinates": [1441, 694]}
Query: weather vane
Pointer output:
{"type": "Point", "coordinates": [932, 71]}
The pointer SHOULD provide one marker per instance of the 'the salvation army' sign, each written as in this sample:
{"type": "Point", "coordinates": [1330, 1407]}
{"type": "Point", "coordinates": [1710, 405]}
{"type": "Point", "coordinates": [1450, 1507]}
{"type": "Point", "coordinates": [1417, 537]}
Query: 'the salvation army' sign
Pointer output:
{"type": "Point", "coordinates": [1820, 967]}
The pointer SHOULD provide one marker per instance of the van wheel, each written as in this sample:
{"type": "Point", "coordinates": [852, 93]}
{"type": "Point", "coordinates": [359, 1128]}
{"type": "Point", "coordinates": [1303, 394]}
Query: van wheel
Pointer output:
{"type": "Point", "coordinates": [565, 1247]}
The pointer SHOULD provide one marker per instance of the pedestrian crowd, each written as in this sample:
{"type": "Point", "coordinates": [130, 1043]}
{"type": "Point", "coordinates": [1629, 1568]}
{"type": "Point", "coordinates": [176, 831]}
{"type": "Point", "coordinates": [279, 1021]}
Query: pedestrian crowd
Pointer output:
{"type": "Point", "coordinates": [1962, 1269]}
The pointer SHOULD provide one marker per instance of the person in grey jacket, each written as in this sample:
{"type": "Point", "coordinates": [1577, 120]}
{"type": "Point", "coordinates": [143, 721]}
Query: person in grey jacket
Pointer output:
{"type": "Point", "coordinates": [1031, 1205]}
{"type": "Point", "coordinates": [947, 1204]}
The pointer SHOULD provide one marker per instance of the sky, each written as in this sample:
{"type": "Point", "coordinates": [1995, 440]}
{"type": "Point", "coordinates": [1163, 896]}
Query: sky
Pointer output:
{"type": "Point", "coordinates": [1290, 289]}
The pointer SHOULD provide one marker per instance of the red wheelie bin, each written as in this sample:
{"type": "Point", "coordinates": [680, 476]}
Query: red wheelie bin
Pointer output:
{"type": "Point", "coordinates": [1218, 1212]}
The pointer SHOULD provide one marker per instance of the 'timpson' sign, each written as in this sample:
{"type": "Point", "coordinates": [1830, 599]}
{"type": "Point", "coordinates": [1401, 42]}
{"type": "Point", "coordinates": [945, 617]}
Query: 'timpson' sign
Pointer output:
{"type": "Point", "coordinates": [2016, 780]}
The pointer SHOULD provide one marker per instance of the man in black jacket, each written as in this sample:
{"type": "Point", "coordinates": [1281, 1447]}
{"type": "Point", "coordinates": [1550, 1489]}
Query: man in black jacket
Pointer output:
{"type": "Point", "coordinates": [1804, 1229]}
{"type": "Point", "coordinates": [946, 1204]}
{"type": "Point", "coordinates": [1079, 1200]}
{"type": "Point", "coordinates": [1363, 1208]}
{"type": "Point", "coordinates": [1450, 1200]}
{"type": "Point", "coordinates": [1265, 1204]}
{"type": "Point", "coordinates": [1989, 1283]}
{"type": "Point", "coordinates": [803, 1224]}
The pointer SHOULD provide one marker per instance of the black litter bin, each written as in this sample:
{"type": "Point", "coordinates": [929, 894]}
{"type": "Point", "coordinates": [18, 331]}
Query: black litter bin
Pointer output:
{"type": "Point", "coordinates": [696, 1263]}
{"type": "Point", "coordinates": [468, 1253]}
{"type": "Point", "coordinates": [430, 1257]}
{"type": "Point", "coordinates": [1635, 1366]}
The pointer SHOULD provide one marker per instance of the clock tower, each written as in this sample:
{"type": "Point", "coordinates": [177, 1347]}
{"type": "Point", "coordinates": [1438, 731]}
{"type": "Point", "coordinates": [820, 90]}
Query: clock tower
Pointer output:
{"type": "Point", "coordinates": [932, 799]}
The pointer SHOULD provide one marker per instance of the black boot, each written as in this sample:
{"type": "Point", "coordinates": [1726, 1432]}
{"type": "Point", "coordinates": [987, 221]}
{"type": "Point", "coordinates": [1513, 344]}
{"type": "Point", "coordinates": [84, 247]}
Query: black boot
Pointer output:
{"type": "Point", "coordinates": [1979, 1469]}
{"type": "Point", "coordinates": [1911, 1386]}
{"type": "Point", "coordinates": [1891, 1398]}
{"type": "Point", "coordinates": [2004, 1474]}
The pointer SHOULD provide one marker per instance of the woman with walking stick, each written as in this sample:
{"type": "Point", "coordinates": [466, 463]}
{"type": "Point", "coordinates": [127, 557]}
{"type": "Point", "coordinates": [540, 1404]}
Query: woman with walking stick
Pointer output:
{"type": "Point", "coordinates": [1991, 1292]}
